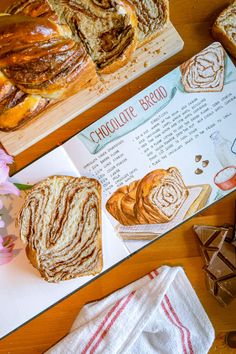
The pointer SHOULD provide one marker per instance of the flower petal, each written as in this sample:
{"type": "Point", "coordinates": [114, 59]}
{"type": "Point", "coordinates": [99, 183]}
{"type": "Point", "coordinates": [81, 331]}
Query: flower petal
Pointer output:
{"type": "Point", "coordinates": [2, 223]}
{"type": "Point", "coordinates": [4, 172]}
{"type": "Point", "coordinates": [4, 259]}
{"type": "Point", "coordinates": [9, 188]}
{"type": "Point", "coordinates": [4, 157]}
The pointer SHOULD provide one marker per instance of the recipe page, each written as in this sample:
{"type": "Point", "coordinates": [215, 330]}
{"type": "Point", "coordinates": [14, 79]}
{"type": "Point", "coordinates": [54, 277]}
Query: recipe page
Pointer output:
{"type": "Point", "coordinates": [166, 153]}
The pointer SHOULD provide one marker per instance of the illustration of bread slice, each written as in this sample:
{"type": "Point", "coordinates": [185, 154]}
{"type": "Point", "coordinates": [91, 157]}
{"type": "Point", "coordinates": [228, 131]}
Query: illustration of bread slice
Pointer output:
{"type": "Point", "coordinates": [160, 194]}
{"type": "Point", "coordinates": [60, 223]}
{"type": "Point", "coordinates": [205, 71]}
{"type": "Point", "coordinates": [154, 199]}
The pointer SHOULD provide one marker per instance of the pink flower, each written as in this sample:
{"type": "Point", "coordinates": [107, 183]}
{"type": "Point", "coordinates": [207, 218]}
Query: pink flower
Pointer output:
{"type": "Point", "coordinates": [7, 159]}
{"type": "Point", "coordinates": [6, 187]}
{"type": "Point", "coordinates": [6, 249]}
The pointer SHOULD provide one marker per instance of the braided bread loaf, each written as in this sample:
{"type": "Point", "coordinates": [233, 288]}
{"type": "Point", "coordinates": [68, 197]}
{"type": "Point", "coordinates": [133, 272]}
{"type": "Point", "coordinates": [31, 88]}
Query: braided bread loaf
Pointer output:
{"type": "Point", "coordinates": [154, 199]}
{"type": "Point", "coordinates": [60, 223]}
{"type": "Point", "coordinates": [86, 37]}
{"type": "Point", "coordinates": [40, 63]}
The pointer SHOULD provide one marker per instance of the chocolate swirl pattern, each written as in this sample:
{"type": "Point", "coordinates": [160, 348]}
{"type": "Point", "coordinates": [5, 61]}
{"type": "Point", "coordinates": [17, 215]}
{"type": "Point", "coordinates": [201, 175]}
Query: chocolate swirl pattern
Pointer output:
{"type": "Point", "coordinates": [153, 16]}
{"type": "Point", "coordinates": [106, 28]}
{"type": "Point", "coordinates": [40, 64]}
{"type": "Point", "coordinates": [60, 223]}
{"type": "Point", "coordinates": [205, 71]}
{"type": "Point", "coordinates": [224, 28]}
{"type": "Point", "coordinates": [160, 194]}
{"type": "Point", "coordinates": [154, 199]}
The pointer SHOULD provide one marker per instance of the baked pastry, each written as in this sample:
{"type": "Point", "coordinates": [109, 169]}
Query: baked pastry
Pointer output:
{"type": "Point", "coordinates": [38, 57]}
{"type": "Point", "coordinates": [121, 204]}
{"type": "Point", "coordinates": [60, 223]}
{"type": "Point", "coordinates": [33, 8]}
{"type": "Point", "coordinates": [152, 16]}
{"type": "Point", "coordinates": [205, 71]}
{"type": "Point", "coordinates": [106, 28]}
{"type": "Point", "coordinates": [154, 199]}
{"type": "Point", "coordinates": [224, 28]}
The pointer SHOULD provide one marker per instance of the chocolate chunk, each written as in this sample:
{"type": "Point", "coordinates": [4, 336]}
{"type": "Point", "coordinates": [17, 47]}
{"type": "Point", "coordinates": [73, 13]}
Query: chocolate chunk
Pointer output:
{"type": "Point", "coordinates": [211, 240]}
{"type": "Point", "coordinates": [198, 158]}
{"type": "Point", "coordinates": [205, 163]}
{"type": "Point", "coordinates": [220, 262]}
{"type": "Point", "coordinates": [198, 171]}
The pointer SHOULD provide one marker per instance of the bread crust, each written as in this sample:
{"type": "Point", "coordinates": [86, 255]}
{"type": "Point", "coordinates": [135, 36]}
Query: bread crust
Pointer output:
{"type": "Point", "coordinates": [220, 34]}
{"type": "Point", "coordinates": [32, 253]}
{"type": "Point", "coordinates": [132, 204]}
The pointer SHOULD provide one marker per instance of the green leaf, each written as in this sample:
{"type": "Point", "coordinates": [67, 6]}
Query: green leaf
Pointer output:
{"type": "Point", "coordinates": [23, 187]}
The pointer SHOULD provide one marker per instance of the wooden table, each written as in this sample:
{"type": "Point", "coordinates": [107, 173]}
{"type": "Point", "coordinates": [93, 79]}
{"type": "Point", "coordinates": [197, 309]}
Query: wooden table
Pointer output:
{"type": "Point", "coordinates": [193, 20]}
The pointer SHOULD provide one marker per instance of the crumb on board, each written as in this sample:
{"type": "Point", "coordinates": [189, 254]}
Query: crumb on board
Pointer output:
{"type": "Point", "coordinates": [158, 51]}
{"type": "Point", "coordinates": [146, 64]}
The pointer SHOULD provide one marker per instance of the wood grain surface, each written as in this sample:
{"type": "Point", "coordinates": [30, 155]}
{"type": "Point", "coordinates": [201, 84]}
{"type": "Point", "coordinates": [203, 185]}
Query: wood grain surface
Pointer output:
{"type": "Point", "coordinates": [193, 20]}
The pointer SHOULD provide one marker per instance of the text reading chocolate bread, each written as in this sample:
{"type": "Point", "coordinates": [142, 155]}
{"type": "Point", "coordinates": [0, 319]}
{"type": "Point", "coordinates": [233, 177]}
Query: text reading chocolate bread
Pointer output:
{"type": "Point", "coordinates": [60, 223]}
{"type": "Point", "coordinates": [154, 199]}
{"type": "Point", "coordinates": [224, 28]}
{"type": "Point", "coordinates": [205, 71]}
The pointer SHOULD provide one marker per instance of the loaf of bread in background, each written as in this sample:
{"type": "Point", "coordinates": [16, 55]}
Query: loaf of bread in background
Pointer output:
{"type": "Point", "coordinates": [60, 223]}
{"type": "Point", "coordinates": [224, 29]}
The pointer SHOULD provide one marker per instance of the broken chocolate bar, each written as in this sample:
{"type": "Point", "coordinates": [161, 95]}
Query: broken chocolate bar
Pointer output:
{"type": "Point", "coordinates": [220, 261]}
{"type": "Point", "coordinates": [211, 239]}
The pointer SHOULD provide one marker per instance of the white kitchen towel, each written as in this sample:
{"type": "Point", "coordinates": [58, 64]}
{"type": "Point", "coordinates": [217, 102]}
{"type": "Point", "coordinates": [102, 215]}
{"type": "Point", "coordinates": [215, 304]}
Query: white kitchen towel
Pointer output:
{"type": "Point", "coordinates": [159, 313]}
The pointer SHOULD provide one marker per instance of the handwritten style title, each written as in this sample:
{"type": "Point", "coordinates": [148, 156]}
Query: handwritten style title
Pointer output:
{"type": "Point", "coordinates": [127, 115]}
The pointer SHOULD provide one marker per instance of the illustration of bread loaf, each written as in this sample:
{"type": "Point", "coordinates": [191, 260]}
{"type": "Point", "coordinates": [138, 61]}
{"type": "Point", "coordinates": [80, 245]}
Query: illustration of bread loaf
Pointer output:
{"type": "Point", "coordinates": [60, 223]}
{"type": "Point", "coordinates": [154, 199]}
{"type": "Point", "coordinates": [205, 71]}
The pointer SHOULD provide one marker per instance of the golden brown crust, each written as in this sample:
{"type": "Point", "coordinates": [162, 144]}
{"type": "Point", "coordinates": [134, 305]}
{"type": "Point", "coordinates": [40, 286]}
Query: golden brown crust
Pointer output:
{"type": "Point", "coordinates": [40, 66]}
{"type": "Point", "coordinates": [32, 250]}
{"type": "Point", "coordinates": [226, 32]}
{"type": "Point", "coordinates": [154, 199]}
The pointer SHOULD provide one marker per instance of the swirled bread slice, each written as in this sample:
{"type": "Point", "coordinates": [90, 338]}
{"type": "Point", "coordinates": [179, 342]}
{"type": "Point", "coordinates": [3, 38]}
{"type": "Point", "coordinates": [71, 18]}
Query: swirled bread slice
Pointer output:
{"type": "Point", "coordinates": [152, 16]}
{"type": "Point", "coordinates": [205, 71]}
{"type": "Point", "coordinates": [60, 223]}
{"type": "Point", "coordinates": [154, 199]}
{"type": "Point", "coordinates": [224, 28]}
{"type": "Point", "coordinates": [107, 28]}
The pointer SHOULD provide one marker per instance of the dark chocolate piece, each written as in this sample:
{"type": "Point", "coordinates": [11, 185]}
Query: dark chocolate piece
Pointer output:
{"type": "Point", "coordinates": [211, 239]}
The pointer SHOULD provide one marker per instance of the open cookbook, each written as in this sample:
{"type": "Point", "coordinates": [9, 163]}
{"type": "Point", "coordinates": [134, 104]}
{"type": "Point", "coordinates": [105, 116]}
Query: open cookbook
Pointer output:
{"type": "Point", "coordinates": [161, 157]}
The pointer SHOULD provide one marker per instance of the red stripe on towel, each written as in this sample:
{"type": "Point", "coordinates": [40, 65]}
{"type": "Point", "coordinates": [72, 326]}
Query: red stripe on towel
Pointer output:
{"type": "Point", "coordinates": [113, 320]}
{"type": "Point", "coordinates": [106, 318]}
{"type": "Point", "coordinates": [180, 323]}
{"type": "Point", "coordinates": [180, 328]}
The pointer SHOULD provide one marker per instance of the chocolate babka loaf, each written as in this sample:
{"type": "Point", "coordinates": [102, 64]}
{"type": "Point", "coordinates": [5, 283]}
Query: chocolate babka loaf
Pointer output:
{"type": "Point", "coordinates": [152, 16]}
{"type": "Point", "coordinates": [154, 199]}
{"type": "Point", "coordinates": [224, 28]}
{"type": "Point", "coordinates": [60, 223]}
{"type": "Point", "coordinates": [107, 29]}
{"type": "Point", "coordinates": [39, 63]}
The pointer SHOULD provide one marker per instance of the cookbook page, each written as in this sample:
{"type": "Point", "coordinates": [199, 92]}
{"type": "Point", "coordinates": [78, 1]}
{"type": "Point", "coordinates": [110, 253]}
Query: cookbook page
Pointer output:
{"type": "Point", "coordinates": [23, 292]}
{"type": "Point", "coordinates": [168, 152]}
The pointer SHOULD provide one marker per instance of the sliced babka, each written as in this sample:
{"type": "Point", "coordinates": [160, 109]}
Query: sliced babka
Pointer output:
{"type": "Point", "coordinates": [107, 29]}
{"type": "Point", "coordinates": [60, 223]}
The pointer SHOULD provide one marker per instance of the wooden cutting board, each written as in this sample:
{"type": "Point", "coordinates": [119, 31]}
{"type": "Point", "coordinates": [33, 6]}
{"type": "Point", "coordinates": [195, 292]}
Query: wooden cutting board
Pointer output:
{"type": "Point", "coordinates": [145, 58]}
